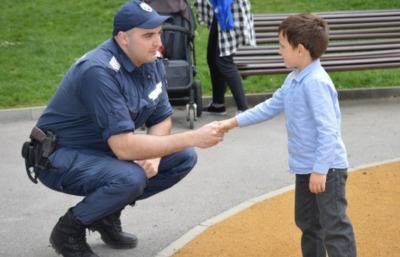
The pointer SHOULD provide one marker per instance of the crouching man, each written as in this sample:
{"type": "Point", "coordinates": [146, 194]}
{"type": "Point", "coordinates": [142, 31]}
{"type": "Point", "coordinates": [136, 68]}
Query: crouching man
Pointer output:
{"type": "Point", "coordinates": [107, 94]}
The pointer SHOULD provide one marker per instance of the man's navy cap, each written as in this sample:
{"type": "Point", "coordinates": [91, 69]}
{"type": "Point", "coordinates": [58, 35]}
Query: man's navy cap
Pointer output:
{"type": "Point", "coordinates": [137, 14]}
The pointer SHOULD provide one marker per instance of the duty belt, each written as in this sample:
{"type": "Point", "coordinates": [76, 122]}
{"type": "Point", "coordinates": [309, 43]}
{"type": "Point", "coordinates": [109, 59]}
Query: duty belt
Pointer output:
{"type": "Point", "coordinates": [37, 151]}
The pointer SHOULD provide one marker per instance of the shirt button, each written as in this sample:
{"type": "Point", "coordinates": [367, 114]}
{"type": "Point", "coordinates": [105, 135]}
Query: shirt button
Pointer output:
{"type": "Point", "coordinates": [148, 76]}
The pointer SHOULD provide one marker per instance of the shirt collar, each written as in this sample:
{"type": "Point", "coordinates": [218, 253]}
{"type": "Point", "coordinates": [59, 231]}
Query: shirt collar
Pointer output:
{"type": "Point", "coordinates": [312, 66]}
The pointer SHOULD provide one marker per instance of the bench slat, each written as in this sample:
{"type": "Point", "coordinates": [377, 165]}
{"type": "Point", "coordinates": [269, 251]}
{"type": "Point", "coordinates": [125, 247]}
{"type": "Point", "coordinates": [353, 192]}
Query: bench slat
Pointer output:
{"type": "Point", "coordinates": [338, 26]}
{"type": "Point", "coordinates": [340, 32]}
{"type": "Point", "coordinates": [326, 63]}
{"type": "Point", "coordinates": [276, 23]}
{"type": "Point", "coordinates": [264, 59]}
{"type": "Point", "coordinates": [329, 69]}
{"type": "Point", "coordinates": [374, 42]}
{"type": "Point", "coordinates": [334, 14]}
{"type": "Point", "coordinates": [273, 50]}
{"type": "Point", "coordinates": [339, 37]}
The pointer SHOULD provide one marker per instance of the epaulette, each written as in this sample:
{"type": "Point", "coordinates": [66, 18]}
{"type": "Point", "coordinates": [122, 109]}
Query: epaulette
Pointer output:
{"type": "Point", "coordinates": [114, 64]}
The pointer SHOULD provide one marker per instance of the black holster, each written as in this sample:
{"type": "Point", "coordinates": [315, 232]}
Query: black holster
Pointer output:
{"type": "Point", "coordinates": [37, 151]}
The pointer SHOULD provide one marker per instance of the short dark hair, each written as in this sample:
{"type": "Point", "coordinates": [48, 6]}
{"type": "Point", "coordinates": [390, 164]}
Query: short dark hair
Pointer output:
{"type": "Point", "coordinates": [307, 29]}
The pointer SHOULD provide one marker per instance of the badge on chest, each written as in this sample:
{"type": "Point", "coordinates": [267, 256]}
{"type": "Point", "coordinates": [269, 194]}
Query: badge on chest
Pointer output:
{"type": "Point", "coordinates": [156, 92]}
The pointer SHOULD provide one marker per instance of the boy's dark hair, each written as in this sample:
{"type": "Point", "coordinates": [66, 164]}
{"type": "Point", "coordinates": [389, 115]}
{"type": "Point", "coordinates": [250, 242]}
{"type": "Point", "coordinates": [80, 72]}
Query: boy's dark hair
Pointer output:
{"type": "Point", "coordinates": [307, 29]}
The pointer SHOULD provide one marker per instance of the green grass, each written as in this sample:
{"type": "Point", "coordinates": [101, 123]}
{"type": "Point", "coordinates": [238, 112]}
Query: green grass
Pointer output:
{"type": "Point", "coordinates": [39, 40]}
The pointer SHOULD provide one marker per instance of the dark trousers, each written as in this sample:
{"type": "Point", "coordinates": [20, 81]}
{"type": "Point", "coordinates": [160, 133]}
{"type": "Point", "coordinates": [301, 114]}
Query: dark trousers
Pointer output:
{"type": "Point", "coordinates": [109, 184]}
{"type": "Point", "coordinates": [223, 72]}
{"type": "Point", "coordinates": [322, 217]}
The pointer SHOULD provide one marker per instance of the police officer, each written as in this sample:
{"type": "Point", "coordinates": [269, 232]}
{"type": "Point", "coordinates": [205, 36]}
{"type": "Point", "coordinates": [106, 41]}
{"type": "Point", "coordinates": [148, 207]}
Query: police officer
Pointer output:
{"type": "Point", "coordinates": [107, 94]}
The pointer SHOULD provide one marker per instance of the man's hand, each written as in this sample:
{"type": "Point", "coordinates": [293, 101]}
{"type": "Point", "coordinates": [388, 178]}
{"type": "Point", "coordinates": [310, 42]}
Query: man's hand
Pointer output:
{"type": "Point", "coordinates": [317, 183]}
{"type": "Point", "coordinates": [208, 135]}
{"type": "Point", "coordinates": [149, 166]}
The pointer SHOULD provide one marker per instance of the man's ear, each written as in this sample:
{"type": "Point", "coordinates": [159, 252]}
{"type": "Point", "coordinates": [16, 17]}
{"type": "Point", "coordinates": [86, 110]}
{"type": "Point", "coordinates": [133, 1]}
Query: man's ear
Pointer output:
{"type": "Point", "coordinates": [122, 38]}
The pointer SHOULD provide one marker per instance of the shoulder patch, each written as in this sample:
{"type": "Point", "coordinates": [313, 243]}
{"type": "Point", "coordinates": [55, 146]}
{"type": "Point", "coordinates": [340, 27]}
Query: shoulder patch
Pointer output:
{"type": "Point", "coordinates": [81, 58]}
{"type": "Point", "coordinates": [114, 64]}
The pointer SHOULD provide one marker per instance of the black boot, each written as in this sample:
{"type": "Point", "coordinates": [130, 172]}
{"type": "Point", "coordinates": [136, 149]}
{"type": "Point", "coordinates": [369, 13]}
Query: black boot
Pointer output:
{"type": "Point", "coordinates": [69, 238]}
{"type": "Point", "coordinates": [111, 232]}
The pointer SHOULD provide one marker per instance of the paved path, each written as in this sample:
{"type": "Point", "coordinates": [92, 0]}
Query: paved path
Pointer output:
{"type": "Point", "coordinates": [249, 163]}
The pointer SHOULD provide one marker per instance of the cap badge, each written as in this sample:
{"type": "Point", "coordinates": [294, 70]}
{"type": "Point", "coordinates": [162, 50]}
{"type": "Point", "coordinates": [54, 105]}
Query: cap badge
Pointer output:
{"type": "Point", "coordinates": [146, 7]}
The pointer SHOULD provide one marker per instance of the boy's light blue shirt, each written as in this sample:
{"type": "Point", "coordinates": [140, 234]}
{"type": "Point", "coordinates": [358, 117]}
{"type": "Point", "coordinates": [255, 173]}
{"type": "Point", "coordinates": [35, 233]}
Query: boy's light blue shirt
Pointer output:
{"type": "Point", "coordinates": [312, 116]}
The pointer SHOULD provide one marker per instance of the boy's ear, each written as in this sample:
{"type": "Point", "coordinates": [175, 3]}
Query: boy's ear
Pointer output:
{"type": "Point", "coordinates": [301, 49]}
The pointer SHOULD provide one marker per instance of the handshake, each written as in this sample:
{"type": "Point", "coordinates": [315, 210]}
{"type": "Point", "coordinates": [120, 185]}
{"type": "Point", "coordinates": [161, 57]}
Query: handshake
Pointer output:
{"type": "Point", "coordinates": [213, 133]}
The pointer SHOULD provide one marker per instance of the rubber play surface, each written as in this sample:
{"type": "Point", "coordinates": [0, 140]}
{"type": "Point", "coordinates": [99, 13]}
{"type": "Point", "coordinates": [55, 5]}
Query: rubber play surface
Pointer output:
{"type": "Point", "coordinates": [268, 228]}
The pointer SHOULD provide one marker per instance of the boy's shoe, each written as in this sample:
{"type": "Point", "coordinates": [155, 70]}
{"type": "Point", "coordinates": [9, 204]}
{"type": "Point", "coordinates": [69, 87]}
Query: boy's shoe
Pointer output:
{"type": "Point", "coordinates": [210, 109]}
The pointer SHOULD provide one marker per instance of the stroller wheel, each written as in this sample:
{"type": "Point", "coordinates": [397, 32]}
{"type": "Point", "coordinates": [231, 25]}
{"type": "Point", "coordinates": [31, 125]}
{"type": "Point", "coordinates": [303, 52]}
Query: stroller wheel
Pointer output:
{"type": "Point", "coordinates": [190, 112]}
{"type": "Point", "coordinates": [198, 97]}
{"type": "Point", "coordinates": [191, 118]}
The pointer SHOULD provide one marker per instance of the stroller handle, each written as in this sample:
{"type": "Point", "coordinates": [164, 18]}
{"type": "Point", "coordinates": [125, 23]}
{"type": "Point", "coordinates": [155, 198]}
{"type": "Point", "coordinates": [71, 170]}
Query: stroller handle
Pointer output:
{"type": "Point", "coordinates": [177, 28]}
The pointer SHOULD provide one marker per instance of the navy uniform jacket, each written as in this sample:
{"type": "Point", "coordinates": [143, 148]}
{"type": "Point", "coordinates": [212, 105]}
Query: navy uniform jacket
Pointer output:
{"type": "Point", "coordinates": [105, 94]}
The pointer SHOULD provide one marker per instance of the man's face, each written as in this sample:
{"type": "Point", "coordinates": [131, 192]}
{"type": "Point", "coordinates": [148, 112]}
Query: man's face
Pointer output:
{"type": "Point", "coordinates": [142, 44]}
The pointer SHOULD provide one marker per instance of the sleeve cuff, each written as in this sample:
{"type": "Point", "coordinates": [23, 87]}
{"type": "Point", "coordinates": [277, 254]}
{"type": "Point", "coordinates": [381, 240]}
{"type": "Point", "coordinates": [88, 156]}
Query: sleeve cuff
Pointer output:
{"type": "Point", "coordinates": [152, 122]}
{"type": "Point", "coordinates": [241, 120]}
{"type": "Point", "coordinates": [120, 127]}
{"type": "Point", "coordinates": [321, 168]}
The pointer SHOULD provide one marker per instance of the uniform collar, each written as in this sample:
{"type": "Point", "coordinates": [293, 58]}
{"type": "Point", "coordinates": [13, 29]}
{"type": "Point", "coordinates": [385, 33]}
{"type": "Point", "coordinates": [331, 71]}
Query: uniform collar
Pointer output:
{"type": "Point", "coordinates": [121, 56]}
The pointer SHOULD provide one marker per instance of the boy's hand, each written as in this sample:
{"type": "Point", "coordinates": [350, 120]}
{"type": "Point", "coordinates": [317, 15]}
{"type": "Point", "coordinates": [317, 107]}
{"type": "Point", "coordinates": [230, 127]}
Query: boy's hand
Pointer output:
{"type": "Point", "coordinates": [227, 125]}
{"type": "Point", "coordinates": [317, 183]}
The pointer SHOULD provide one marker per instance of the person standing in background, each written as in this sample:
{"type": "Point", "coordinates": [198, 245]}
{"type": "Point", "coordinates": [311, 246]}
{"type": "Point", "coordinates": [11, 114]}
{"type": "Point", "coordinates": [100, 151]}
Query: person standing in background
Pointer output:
{"type": "Point", "coordinates": [231, 25]}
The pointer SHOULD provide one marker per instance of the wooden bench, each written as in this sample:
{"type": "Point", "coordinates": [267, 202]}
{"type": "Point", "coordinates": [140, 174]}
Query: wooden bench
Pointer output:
{"type": "Point", "coordinates": [359, 40]}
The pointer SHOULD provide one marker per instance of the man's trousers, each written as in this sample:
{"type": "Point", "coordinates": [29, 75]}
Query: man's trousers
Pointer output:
{"type": "Point", "coordinates": [109, 184]}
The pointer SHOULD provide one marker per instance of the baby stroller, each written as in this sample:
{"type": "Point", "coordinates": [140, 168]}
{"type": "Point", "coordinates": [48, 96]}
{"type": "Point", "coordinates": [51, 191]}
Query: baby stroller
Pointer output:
{"type": "Point", "coordinates": [179, 56]}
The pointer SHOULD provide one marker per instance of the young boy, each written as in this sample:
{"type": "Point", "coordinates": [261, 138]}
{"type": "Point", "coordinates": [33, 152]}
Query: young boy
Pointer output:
{"type": "Point", "coordinates": [317, 154]}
